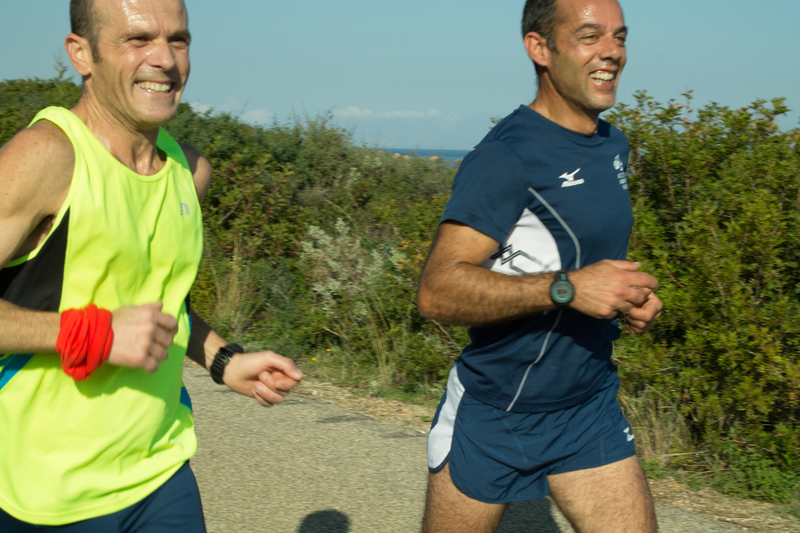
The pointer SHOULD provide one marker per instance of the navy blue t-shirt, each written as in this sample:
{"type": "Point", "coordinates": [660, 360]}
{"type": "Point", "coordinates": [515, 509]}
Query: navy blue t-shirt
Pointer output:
{"type": "Point", "coordinates": [554, 199]}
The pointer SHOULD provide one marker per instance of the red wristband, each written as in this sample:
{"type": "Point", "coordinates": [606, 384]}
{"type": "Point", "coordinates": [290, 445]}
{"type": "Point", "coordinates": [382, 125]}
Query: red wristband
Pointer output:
{"type": "Point", "coordinates": [84, 340]}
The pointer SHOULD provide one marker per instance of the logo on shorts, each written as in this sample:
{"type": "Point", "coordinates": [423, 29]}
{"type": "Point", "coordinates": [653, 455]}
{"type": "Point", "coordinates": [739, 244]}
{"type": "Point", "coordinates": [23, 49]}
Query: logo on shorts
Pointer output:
{"type": "Point", "coordinates": [629, 434]}
{"type": "Point", "coordinates": [570, 177]}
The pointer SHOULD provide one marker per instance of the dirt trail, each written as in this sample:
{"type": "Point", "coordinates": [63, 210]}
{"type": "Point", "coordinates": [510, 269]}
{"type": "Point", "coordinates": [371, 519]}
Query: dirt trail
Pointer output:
{"type": "Point", "coordinates": [329, 462]}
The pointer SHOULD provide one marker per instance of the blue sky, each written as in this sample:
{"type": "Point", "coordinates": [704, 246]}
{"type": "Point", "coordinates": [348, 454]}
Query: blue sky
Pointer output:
{"type": "Point", "coordinates": [431, 73]}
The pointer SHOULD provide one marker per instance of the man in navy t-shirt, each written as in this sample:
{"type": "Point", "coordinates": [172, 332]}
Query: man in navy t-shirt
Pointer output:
{"type": "Point", "coordinates": [531, 254]}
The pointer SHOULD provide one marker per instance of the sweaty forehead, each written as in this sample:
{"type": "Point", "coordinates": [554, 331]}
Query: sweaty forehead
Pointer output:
{"type": "Point", "coordinates": [577, 13]}
{"type": "Point", "coordinates": [138, 13]}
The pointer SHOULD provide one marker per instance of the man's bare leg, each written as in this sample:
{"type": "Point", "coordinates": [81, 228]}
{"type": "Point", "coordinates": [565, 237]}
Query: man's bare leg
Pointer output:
{"type": "Point", "coordinates": [448, 510]}
{"type": "Point", "coordinates": [613, 498]}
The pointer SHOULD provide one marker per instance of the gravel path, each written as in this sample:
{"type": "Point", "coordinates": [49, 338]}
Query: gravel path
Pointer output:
{"type": "Point", "coordinates": [308, 466]}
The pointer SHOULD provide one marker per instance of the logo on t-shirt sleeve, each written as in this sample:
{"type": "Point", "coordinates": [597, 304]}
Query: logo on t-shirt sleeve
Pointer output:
{"type": "Point", "coordinates": [621, 175]}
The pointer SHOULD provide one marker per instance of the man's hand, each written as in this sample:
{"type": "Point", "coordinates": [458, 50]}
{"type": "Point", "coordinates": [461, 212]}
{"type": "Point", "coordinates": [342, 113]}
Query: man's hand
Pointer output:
{"type": "Point", "coordinates": [142, 336]}
{"type": "Point", "coordinates": [607, 288]}
{"type": "Point", "coordinates": [265, 376]}
{"type": "Point", "coordinates": [640, 318]}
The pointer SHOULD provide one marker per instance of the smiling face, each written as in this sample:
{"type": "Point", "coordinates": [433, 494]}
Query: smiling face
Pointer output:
{"type": "Point", "coordinates": [143, 64]}
{"type": "Point", "coordinates": [582, 72]}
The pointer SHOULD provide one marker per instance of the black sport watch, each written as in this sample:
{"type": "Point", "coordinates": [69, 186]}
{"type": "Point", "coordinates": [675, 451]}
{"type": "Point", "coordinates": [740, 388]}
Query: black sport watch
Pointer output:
{"type": "Point", "coordinates": [562, 291]}
{"type": "Point", "coordinates": [222, 359]}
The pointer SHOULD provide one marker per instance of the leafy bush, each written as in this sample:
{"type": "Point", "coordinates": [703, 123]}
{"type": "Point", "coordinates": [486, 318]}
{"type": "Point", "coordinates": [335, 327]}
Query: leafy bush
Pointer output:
{"type": "Point", "coordinates": [717, 206]}
{"type": "Point", "coordinates": [20, 100]}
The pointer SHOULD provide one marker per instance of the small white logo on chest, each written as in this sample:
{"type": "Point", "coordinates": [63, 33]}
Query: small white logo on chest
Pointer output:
{"type": "Point", "coordinates": [185, 209]}
{"type": "Point", "coordinates": [570, 177]}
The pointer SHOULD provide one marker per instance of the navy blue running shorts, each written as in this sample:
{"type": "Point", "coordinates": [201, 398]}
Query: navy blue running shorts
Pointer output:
{"type": "Point", "coordinates": [173, 508]}
{"type": "Point", "coordinates": [501, 457]}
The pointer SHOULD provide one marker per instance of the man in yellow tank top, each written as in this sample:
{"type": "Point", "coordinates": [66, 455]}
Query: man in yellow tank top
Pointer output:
{"type": "Point", "coordinates": [100, 207]}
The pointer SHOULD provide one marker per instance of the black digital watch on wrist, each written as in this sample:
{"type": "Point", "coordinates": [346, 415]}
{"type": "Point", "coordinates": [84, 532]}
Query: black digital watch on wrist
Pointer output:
{"type": "Point", "coordinates": [221, 360]}
{"type": "Point", "coordinates": [562, 291]}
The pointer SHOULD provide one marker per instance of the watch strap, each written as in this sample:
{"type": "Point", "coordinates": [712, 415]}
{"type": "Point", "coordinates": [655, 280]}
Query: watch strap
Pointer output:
{"type": "Point", "coordinates": [221, 360]}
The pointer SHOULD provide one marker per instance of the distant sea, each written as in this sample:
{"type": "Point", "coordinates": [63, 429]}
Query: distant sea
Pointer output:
{"type": "Point", "coordinates": [447, 155]}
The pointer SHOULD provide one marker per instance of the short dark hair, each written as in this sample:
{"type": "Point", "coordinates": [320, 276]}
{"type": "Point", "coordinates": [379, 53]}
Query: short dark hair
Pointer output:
{"type": "Point", "coordinates": [84, 22]}
{"type": "Point", "coordinates": [541, 16]}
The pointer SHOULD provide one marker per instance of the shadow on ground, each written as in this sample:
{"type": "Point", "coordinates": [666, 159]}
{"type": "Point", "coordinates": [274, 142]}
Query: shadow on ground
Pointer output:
{"type": "Point", "coordinates": [534, 515]}
{"type": "Point", "coordinates": [328, 521]}
{"type": "Point", "coordinates": [520, 517]}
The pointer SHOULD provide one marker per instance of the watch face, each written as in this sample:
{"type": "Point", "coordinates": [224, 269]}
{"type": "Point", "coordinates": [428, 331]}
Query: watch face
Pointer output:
{"type": "Point", "coordinates": [562, 292]}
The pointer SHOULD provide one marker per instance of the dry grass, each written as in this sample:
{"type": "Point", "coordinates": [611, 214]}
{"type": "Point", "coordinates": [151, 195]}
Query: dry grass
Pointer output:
{"type": "Point", "coordinates": [236, 293]}
{"type": "Point", "coordinates": [662, 433]}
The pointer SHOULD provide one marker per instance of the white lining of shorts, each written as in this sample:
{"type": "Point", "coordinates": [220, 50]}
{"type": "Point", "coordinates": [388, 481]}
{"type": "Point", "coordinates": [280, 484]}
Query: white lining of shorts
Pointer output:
{"type": "Point", "coordinates": [440, 438]}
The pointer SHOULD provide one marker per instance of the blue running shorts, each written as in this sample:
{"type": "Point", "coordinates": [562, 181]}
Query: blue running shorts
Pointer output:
{"type": "Point", "coordinates": [173, 508]}
{"type": "Point", "coordinates": [501, 457]}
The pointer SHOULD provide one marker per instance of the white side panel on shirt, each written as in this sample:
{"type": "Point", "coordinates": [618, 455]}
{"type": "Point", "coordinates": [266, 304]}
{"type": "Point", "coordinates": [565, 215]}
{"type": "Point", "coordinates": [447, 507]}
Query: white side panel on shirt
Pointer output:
{"type": "Point", "coordinates": [529, 248]}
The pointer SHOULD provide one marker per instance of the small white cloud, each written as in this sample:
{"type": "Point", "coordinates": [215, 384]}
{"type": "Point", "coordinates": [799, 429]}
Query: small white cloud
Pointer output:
{"type": "Point", "coordinates": [233, 106]}
{"type": "Point", "coordinates": [199, 107]}
{"type": "Point", "coordinates": [256, 116]}
{"type": "Point", "coordinates": [236, 108]}
{"type": "Point", "coordinates": [357, 112]}
{"type": "Point", "coordinates": [413, 114]}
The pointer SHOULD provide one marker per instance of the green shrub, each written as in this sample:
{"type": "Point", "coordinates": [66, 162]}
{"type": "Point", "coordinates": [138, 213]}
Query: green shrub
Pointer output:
{"type": "Point", "coordinates": [716, 201]}
{"type": "Point", "coordinates": [20, 100]}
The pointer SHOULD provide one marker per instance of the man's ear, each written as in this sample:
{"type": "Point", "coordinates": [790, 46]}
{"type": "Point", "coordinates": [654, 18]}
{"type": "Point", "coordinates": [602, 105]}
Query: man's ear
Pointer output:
{"type": "Point", "coordinates": [537, 48]}
{"type": "Point", "coordinates": [80, 53]}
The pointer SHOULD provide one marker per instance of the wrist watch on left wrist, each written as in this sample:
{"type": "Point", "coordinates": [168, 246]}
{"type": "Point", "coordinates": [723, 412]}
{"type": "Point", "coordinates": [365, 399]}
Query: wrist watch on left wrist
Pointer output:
{"type": "Point", "coordinates": [221, 360]}
{"type": "Point", "coordinates": [562, 291]}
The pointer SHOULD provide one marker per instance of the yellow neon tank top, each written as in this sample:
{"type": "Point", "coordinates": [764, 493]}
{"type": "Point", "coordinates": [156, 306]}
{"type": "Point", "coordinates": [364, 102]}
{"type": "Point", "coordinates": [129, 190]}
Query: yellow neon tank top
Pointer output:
{"type": "Point", "coordinates": [72, 451]}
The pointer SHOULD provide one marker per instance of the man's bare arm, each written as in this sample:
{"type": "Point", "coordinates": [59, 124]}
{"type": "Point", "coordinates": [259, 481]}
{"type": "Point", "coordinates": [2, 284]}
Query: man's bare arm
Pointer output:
{"type": "Point", "coordinates": [266, 376]}
{"type": "Point", "coordinates": [201, 170]}
{"type": "Point", "coordinates": [455, 289]}
{"type": "Point", "coordinates": [35, 174]}
{"type": "Point", "coordinates": [36, 169]}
